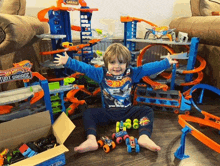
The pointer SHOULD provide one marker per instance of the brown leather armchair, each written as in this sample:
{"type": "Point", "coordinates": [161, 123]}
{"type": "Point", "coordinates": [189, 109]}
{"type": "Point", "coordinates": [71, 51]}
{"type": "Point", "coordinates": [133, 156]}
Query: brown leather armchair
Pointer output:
{"type": "Point", "coordinates": [18, 39]}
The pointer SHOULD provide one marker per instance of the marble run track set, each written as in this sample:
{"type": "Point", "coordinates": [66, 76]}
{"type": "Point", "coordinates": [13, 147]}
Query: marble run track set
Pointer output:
{"type": "Point", "coordinates": [59, 21]}
{"type": "Point", "coordinates": [30, 94]}
{"type": "Point", "coordinates": [208, 121]}
{"type": "Point", "coordinates": [157, 93]}
{"type": "Point", "coordinates": [39, 96]}
{"type": "Point", "coordinates": [61, 38]}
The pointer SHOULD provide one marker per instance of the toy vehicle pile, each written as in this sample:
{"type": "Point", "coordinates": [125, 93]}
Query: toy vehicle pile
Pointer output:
{"type": "Point", "coordinates": [120, 135]}
{"type": "Point", "coordinates": [27, 150]}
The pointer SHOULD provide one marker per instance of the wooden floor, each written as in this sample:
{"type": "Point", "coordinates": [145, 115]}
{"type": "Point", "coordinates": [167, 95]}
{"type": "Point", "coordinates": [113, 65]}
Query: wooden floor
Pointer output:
{"type": "Point", "coordinates": [166, 133]}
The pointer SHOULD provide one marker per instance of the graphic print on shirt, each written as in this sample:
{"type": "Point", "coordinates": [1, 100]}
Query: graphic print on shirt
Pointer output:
{"type": "Point", "coordinates": [117, 91]}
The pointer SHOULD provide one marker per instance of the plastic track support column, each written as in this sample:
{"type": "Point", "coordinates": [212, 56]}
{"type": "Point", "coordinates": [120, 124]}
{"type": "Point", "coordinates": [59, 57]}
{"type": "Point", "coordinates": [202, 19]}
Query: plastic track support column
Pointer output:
{"type": "Point", "coordinates": [44, 85]}
{"type": "Point", "coordinates": [180, 151]}
{"type": "Point", "coordinates": [192, 59]}
{"type": "Point", "coordinates": [130, 32]}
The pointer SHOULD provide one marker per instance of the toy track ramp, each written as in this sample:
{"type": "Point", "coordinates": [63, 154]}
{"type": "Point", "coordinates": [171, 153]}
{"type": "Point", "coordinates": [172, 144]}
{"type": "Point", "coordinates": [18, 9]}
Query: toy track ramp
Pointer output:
{"type": "Point", "coordinates": [159, 100]}
{"type": "Point", "coordinates": [17, 95]}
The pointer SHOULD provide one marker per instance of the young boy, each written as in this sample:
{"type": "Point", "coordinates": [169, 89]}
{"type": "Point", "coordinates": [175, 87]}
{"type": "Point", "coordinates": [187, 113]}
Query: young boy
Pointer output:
{"type": "Point", "coordinates": [116, 80]}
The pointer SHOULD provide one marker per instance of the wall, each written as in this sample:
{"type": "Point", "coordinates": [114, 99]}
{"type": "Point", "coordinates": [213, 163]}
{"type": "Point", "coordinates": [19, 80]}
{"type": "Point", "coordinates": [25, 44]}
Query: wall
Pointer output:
{"type": "Point", "coordinates": [160, 12]}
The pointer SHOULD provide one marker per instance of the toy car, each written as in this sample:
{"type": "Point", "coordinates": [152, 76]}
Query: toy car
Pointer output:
{"type": "Point", "coordinates": [120, 126]}
{"type": "Point", "coordinates": [132, 144]}
{"type": "Point", "coordinates": [108, 144]}
{"type": "Point", "coordinates": [128, 123]}
{"type": "Point", "coordinates": [119, 136]}
{"type": "Point", "coordinates": [159, 32]}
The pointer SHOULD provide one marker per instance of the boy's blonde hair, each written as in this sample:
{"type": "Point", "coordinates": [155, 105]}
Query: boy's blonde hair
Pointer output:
{"type": "Point", "coordinates": [119, 51]}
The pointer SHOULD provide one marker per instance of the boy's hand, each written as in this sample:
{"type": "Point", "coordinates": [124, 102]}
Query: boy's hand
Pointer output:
{"type": "Point", "coordinates": [171, 61]}
{"type": "Point", "coordinates": [61, 60]}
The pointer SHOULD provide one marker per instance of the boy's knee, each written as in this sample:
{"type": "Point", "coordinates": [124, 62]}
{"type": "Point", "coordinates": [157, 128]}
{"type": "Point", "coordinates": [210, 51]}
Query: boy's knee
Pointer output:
{"type": "Point", "coordinates": [87, 112]}
{"type": "Point", "coordinates": [148, 110]}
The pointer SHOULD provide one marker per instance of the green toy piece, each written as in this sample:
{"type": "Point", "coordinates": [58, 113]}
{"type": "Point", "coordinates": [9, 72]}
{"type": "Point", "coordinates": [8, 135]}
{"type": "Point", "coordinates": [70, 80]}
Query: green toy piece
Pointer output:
{"type": "Point", "coordinates": [55, 97]}
{"type": "Point", "coordinates": [56, 110]}
{"type": "Point", "coordinates": [99, 31]}
{"type": "Point", "coordinates": [68, 80]}
{"type": "Point", "coordinates": [56, 104]}
{"type": "Point", "coordinates": [54, 85]}
{"type": "Point", "coordinates": [99, 53]}
{"type": "Point", "coordinates": [31, 89]}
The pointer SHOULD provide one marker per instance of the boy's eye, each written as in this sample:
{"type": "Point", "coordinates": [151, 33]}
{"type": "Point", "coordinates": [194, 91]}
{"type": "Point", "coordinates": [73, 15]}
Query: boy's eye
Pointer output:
{"type": "Point", "coordinates": [112, 62]}
{"type": "Point", "coordinates": [121, 62]}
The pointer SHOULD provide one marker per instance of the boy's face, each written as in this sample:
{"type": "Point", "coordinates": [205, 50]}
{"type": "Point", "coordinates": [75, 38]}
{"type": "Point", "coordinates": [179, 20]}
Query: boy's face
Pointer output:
{"type": "Point", "coordinates": [116, 67]}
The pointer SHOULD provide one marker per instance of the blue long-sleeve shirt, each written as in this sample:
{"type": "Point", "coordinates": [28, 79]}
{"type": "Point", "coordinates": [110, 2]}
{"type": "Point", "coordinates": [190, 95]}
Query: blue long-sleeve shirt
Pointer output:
{"type": "Point", "coordinates": [116, 90]}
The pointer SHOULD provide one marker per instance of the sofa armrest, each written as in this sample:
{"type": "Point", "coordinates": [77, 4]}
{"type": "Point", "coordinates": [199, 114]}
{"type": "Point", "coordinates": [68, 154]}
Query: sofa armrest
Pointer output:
{"type": "Point", "coordinates": [17, 31]}
{"type": "Point", "coordinates": [204, 27]}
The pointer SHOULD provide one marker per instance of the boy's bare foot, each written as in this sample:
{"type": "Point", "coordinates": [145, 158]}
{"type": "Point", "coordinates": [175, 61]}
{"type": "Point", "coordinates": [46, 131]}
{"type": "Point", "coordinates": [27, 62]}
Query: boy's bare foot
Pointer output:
{"type": "Point", "coordinates": [146, 142]}
{"type": "Point", "coordinates": [89, 145]}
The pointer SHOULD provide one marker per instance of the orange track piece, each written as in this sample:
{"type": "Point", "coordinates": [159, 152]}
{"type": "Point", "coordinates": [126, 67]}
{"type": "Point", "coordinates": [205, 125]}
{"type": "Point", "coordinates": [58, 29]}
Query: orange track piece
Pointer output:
{"type": "Point", "coordinates": [5, 109]}
{"type": "Point", "coordinates": [70, 96]}
{"type": "Point", "coordinates": [76, 28]}
{"type": "Point", "coordinates": [155, 85]}
{"type": "Point", "coordinates": [71, 48]}
{"type": "Point", "coordinates": [129, 19]}
{"type": "Point", "coordinates": [37, 96]}
{"type": "Point", "coordinates": [206, 122]}
{"type": "Point", "coordinates": [75, 75]}
{"type": "Point", "coordinates": [42, 13]}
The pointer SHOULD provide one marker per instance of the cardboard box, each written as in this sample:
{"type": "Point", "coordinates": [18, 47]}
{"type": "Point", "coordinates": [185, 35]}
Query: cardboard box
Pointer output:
{"type": "Point", "coordinates": [33, 127]}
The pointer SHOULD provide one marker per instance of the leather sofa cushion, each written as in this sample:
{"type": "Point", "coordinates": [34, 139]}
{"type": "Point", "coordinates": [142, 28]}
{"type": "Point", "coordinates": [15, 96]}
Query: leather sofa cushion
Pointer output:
{"type": "Point", "coordinates": [204, 7]}
{"type": "Point", "coordinates": [205, 27]}
{"type": "Point", "coordinates": [195, 7]}
{"type": "Point", "coordinates": [208, 6]}
{"type": "Point", "coordinates": [19, 30]}
{"type": "Point", "coordinates": [13, 7]}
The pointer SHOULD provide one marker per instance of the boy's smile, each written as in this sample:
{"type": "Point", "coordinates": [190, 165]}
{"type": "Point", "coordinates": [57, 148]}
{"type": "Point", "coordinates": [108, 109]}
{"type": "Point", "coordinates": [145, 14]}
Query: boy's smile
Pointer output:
{"type": "Point", "coordinates": [116, 67]}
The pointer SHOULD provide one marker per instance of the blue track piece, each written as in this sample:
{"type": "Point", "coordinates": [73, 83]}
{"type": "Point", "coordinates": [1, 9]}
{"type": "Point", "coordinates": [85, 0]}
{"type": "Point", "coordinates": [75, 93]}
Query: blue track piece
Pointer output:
{"type": "Point", "coordinates": [45, 86]}
{"type": "Point", "coordinates": [172, 84]}
{"type": "Point", "coordinates": [192, 60]}
{"type": "Point", "coordinates": [203, 86]}
{"type": "Point", "coordinates": [130, 32]}
{"type": "Point", "coordinates": [159, 99]}
{"type": "Point", "coordinates": [185, 104]}
{"type": "Point", "coordinates": [86, 34]}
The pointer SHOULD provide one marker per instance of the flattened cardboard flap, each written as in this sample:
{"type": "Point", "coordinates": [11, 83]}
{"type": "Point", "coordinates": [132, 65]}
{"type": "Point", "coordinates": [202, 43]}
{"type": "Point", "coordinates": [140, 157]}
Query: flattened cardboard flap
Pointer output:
{"type": "Point", "coordinates": [62, 128]}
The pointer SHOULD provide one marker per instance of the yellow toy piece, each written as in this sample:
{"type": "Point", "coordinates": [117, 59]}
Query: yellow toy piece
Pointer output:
{"type": "Point", "coordinates": [99, 31]}
{"type": "Point", "coordinates": [67, 44]}
{"type": "Point", "coordinates": [99, 53]}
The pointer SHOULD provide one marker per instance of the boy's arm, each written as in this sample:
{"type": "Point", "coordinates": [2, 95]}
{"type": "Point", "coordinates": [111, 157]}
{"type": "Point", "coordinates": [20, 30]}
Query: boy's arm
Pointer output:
{"type": "Point", "coordinates": [149, 69]}
{"type": "Point", "coordinates": [92, 72]}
